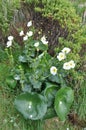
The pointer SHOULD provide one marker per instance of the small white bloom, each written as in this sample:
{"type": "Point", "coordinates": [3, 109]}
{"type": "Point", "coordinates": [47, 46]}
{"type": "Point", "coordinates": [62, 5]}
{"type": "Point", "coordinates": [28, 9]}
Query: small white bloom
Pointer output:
{"type": "Point", "coordinates": [53, 70]}
{"type": "Point", "coordinates": [9, 43]}
{"type": "Point", "coordinates": [61, 56]}
{"type": "Point", "coordinates": [25, 38]}
{"type": "Point", "coordinates": [36, 44]}
{"type": "Point", "coordinates": [29, 34]}
{"type": "Point", "coordinates": [10, 38]}
{"type": "Point", "coordinates": [72, 64]}
{"type": "Point", "coordinates": [66, 50]}
{"type": "Point", "coordinates": [29, 24]}
{"type": "Point", "coordinates": [21, 33]}
{"type": "Point", "coordinates": [44, 41]}
{"type": "Point", "coordinates": [66, 66]}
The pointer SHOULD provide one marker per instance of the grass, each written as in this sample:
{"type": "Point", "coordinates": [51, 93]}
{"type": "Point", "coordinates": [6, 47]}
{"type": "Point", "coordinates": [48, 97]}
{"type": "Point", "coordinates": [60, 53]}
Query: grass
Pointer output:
{"type": "Point", "coordinates": [80, 103]}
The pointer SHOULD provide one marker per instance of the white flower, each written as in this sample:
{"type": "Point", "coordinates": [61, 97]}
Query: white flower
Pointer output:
{"type": "Point", "coordinates": [61, 56]}
{"type": "Point", "coordinates": [36, 44]}
{"type": "Point", "coordinates": [66, 66]}
{"type": "Point", "coordinates": [25, 38]}
{"type": "Point", "coordinates": [69, 65]}
{"type": "Point", "coordinates": [9, 43]}
{"type": "Point", "coordinates": [66, 50]}
{"type": "Point", "coordinates": [72, 64]}
{"type": "Point", "coordinates": [21, 33]}
{"type": "Point", "coordinates": [29, 24]}
{"type": "Point", "coordinates": [10, 38]}
{"type": "Point", "coordinates": [29, 34]}
{"type": "Point", "coordinates": [53, 70]}
{"type": "Point", "coordinates": [44, 41]}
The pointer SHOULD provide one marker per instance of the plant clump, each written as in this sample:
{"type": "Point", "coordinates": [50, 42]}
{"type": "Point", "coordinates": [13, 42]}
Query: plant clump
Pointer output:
{"type": "Point", "coordinates": [40, 77]}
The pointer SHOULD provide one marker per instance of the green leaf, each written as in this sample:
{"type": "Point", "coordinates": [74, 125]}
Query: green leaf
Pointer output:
{"type": "Point", "coordinates": [50, 113]}
{"type": "Point", "coordinates": [55, 78]}
{"type": "Point", "coordinates": [43, 47]}
{"type": "Point", "coordinates": [22, 59]}
{"type": "Point", "coordinates": [11, 82]}
{"type": "Point", "coordinates": [27, 88]}
{"type": "Point", "coordinates": [50, 92]}
{"type": "Point", "coordinates": [35, 82]}
{"type": "Point", "coordinates": [63, 102]}
{"type": "Point", "coordinates": [31, 106]}
{"type": "Point", "coordinates": [62, 81]}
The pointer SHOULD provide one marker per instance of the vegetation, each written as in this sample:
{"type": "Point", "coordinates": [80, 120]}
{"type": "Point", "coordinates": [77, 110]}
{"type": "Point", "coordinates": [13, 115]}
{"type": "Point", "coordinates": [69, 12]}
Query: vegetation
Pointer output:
{"type": "Point", "coordinates": [60, 24]}
{"type": "Point", "coordinates": [6, 14]}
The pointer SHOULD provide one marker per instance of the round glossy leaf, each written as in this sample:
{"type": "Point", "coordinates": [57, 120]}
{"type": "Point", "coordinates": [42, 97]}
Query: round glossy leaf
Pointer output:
{"type": "Point", "coordinates": [31, 106]}
{"type": "Point", "coordinates": [50, 92]}
{"type": "Point", "coordinates": [63, 102]}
